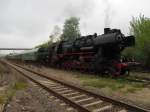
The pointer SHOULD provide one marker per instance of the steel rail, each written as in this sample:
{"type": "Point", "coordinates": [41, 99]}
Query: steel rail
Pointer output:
{"type": "Point", "coordinates": [130, 107]}
{"type": "Point", "coordinates": [56, 94]}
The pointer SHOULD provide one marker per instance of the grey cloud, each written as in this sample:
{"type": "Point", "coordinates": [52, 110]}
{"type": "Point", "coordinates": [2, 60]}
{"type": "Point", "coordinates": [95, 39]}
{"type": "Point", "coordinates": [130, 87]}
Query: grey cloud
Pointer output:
{"type": "Point", "coordinates": [26, 23]}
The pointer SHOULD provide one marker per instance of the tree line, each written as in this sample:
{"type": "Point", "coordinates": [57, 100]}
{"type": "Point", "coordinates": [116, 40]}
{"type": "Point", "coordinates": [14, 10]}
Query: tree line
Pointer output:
{"type": "Point", "coordinates": [140, 28]}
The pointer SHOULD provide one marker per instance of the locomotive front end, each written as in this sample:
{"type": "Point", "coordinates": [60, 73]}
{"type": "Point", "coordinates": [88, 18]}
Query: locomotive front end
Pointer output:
{"type": "Point", "coordinates": [111, 44]}
{"type": "Point", "coordinates": [122, 64]}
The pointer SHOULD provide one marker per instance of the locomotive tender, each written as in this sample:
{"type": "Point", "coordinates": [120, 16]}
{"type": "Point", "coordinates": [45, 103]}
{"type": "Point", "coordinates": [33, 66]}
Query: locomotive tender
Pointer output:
{"type": "Point", "coordinates": [98, 53]}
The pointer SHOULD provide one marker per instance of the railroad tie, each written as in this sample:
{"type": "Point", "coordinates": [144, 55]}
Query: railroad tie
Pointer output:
{"type": "Point", "coordinates": [60, 89]}
{"type": "Point", "coordinates": [66, 91]}
{"type": "Point", "coordinates": [78, 101]}
{"type": "Point", "coordinates": [108, 107]}
{"type": "Point", "coordinates": [74, 97]}
{"type": "Point", "coordinates": [93, 103]}
{"type": "Point", "coordinates": [123, 110]}
{"type": "Point", "coordinates": [69, 94]}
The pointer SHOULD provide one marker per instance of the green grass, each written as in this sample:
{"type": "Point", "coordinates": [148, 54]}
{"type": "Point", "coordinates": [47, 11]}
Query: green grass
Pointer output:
{"type": "Point", "coordinates": [11, 91]}
{"type": "Point", "coordinates": [116, 84]}
{"type": "Point", "coordinates": [12, 88]}
{"type": "Point", "coordinates": [1, 71]}
{"type": "Point", "coordinates": [2, 68]}
{"type": "Point", "coordinates": [132, 89]}
{"type": "Point", "coordinates": [2, 99]}
{"type": "Point", "coordinates": [20, 85]}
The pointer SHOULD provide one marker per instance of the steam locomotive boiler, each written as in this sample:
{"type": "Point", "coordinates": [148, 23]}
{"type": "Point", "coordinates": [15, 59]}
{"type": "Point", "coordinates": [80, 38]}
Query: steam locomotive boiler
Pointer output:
{"type": "Point", "coordinates": [98, 53]}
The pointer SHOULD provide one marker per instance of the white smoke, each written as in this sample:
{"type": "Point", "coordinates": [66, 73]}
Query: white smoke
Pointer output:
{"type": "Point", "coordinates": [79, 9]}
{"type": "Point", "coordinates": [107, 12]}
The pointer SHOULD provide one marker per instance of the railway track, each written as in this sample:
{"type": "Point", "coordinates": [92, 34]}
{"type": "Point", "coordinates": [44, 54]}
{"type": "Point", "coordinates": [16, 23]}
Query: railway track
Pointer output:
{"type": "Point", "coordinates": [146, 81]}
{"type": "Point", "coordinates": [79, 99]}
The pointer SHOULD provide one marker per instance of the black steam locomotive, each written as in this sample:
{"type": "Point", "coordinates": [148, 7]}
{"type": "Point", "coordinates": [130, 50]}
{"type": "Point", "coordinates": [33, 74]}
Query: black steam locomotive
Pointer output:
{"type": "Point", "coordinates": [100, 53]}
{"type": "Point", "coordinates": [97, 53]}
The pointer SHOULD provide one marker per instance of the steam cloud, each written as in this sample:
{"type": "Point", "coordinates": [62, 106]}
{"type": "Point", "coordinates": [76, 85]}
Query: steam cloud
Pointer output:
{"type": "Point", "coordinates": [107, 12]}
{"type": "Point", "coordinates": [79, 9]}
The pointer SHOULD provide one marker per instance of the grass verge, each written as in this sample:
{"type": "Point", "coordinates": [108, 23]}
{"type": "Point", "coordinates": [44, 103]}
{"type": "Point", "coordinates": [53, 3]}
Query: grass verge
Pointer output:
{"type": "Point", "coordinates": [11, 90]}
{"type": "Point", "coordinates": [117, 84]}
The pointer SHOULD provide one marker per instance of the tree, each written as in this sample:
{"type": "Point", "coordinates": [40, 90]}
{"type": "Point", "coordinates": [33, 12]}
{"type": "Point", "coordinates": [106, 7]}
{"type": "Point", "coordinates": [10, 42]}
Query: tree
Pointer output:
{"type": "Point", "coordinates": [140, 28]}
{"type": "Point", "coordinates": [54, 37]}
{"type": "Point", "coordinates": [71, 29]}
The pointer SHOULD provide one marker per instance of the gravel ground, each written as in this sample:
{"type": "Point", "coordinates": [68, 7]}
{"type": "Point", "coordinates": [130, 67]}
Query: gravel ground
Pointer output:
{"type": "Point", "coordinates": [5, 82]}
{"type": "Point", "coordinates": [28, 99]}
{"type": "Point", "coordinates": [141, 97]}
{"type": "Point", "coordinates": [33, 100]}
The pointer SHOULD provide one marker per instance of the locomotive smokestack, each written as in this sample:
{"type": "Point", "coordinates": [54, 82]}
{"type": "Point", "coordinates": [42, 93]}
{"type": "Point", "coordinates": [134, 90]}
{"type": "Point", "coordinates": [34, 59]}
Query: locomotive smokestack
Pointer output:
{"type": "Point", "coordinates": [106, 30]}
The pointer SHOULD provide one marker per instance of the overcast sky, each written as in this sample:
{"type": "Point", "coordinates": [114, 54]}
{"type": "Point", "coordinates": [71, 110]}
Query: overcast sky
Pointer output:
{"type": "Point", "coordinates": [26, 23]}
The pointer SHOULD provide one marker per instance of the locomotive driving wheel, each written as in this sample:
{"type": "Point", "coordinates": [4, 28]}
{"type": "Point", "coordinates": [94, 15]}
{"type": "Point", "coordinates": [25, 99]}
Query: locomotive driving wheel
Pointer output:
{"type": "Point", "coordinates": [110, 72]}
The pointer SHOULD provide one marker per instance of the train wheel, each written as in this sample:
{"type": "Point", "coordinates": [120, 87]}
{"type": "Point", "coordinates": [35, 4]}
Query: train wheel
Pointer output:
{"type": "Point", "coordinates": [125, 72]}
{"type": "Point", "coordinates": [111, 72]}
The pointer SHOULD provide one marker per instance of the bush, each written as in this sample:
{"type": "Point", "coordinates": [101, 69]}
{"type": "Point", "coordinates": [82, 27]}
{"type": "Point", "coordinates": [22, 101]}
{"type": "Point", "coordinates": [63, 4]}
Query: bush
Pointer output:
{"type": "Point", "coordinates": [140, 28]}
